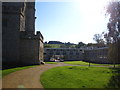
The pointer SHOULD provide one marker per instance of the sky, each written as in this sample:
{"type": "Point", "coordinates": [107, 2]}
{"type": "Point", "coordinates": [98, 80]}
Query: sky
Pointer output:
{"type": "Point", "coordinates": [73, 21]}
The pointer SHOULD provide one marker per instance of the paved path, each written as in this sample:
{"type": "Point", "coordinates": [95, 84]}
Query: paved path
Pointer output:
{"type": "Point", "coordinates": [28, 78]}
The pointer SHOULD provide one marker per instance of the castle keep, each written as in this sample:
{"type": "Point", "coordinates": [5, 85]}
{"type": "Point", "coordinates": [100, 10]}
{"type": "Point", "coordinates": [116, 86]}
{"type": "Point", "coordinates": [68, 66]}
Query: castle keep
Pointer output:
{"type": "Point", "coordinates": [20, 45]}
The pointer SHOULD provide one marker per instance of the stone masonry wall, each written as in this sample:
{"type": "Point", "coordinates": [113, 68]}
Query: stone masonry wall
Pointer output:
{"type": "Point", "coordinates": [96, 56]}
{"type": "Point", "coordinates": [29, 51]}
{"type": "Point", "coordinates": [20, 45]}
{"type": "Point", "coordinates": [69, 54]}
{"type": "Point", "coordinates": [41, 50]}
{"type": "Point", "coordinates": [10, 34]}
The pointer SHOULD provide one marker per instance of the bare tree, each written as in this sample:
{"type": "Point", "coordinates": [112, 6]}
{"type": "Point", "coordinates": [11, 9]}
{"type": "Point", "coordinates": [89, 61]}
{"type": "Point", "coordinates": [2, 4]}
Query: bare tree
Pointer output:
{"type": "Point", "coordinates": [99, 39]}
{"type": "Point", "coordinates": [113, 35]}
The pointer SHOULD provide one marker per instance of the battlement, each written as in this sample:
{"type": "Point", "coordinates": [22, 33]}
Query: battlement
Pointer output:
{"type": "Point", "coordinates": [10, 7]}
{"type": "Point", "coordinates": [39, 35]}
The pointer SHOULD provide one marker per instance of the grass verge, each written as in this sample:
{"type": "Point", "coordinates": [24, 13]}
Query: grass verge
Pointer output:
{"type": "Point", "coordinates": [86, 63]}
{"type": "Point", "coordinates": [76, 77]}
{"type": "Point", "coordinates": [8, 71]}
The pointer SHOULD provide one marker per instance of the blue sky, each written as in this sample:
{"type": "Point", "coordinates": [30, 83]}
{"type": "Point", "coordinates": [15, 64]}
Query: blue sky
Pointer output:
{"type": "Point", "coordinates": [70, 21]}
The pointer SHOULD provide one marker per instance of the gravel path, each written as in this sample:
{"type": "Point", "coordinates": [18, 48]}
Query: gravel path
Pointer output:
{"type": "Point", "coordinates": [28, 78]}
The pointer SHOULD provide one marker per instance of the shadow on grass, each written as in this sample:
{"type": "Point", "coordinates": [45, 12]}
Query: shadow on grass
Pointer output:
{"type": "Point", "coordinates": [114, 81]}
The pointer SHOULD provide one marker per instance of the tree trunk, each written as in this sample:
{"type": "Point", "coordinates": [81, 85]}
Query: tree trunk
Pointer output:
{"type": "Point", "coordinates": [89, 64]}
{"type": "Point", "coordinates": [114, 65]}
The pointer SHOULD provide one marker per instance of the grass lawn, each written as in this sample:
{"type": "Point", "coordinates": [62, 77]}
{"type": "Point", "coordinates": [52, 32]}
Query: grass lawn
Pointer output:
{"type": "Point", "coordinates": [52, 45]}
{"type": "Point", "coordinates": [76, 77]}
{"type": "Point", "coordinates": [51, 62]}
{"type": "Point", "coordinates": [8, 71]}
{"type": "Point", "coordinates": [85, 63]}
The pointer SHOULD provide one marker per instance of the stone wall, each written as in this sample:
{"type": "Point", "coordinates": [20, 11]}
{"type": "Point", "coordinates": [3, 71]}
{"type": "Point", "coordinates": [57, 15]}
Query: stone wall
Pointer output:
{"type": "Point", "coordinates": [41, 50]}
{"type": "Point", "coordinates": [96, 55]}
{"type": "Point", "coordinates": [10, 34]}
{"type": "Point", "coordinates": [31, 49]}
{"type": "Point", "coordinates": [69, 54]}
{"type": "Point", "coordinates": [20, 45]}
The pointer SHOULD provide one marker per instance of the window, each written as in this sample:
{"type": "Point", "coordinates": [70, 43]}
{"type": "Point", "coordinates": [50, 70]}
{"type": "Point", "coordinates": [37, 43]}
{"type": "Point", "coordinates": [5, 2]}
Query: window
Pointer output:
{"type": "Point", "coordinates": [64, 53]}
{"type": "Point", "coordinates": [77, 53]}
{"type": "Point", "coordinates": [71, 53]}
{"type": "Point", "coordinates": [47, 50]}
{"type": "Point", "coordinates": [51, 53]}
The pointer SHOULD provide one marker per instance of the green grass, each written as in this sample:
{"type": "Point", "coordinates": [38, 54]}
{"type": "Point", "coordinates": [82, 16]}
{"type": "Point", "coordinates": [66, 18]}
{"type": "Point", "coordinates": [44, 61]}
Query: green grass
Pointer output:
{"type": "Point", "coordinates": [86, 63]}
{"type": "Point", "coordinates": [52, 45]}
{"type": "Point", "coordinates": [51, 62]}
{"type": "Point", "coordinates": [76, 77]}
{"type": "Point", "coordinates": [8, 71]}
{"type": "Point", "coordinates": [58, 46]}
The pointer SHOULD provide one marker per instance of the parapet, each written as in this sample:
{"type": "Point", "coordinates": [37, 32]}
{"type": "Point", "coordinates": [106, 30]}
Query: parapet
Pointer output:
{"type": "Point", "coordinates": [39, 34]}
{"type": "Point", "coordinates": [25, 35]}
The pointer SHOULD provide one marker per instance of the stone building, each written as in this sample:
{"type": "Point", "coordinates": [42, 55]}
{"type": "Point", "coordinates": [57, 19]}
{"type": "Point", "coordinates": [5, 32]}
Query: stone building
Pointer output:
{"type": "Point", "coordinates": [20, 45]}
{"type": "Point", "coordinates": [95, 55]}
{"type": "Point", "coordinates": [67, 54]}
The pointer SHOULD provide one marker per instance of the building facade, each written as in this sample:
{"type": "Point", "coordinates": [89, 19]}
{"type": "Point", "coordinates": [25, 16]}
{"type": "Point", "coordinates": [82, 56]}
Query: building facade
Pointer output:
{"type": "Point", "coordinates": [95, 55]}
{"type": "Point", "coordinates": [20, 45]}
{"type": "Point", "coordinates": [63, 53]}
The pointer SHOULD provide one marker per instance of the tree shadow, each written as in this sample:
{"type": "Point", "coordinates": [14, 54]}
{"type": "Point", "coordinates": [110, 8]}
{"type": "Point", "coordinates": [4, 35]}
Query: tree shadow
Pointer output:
{"type": "Point", "coordinates": [114, 81]}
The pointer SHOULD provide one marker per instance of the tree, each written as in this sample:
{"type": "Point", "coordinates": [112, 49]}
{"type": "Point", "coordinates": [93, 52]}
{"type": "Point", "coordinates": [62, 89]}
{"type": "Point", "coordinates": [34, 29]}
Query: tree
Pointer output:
{"type": "Point", "coordinates": [99, 39]}
{"type": "Point", "coordinates": [113, 35]}
{"type": "Point", "coordinates": [80, 44]}
{"type": "Point", "coordinates": [47, 46]}
{"type": "Point", "coordinates": [45, 42]}
{"type": "Point", "coordinates": [113, 10]}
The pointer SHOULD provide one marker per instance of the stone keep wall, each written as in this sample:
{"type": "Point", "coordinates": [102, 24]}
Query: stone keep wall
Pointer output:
{"type": "Point", "coordinates": [30, 48]}
{"type": "Point", "coordinates": [20, 44]}
{"type": "Point", "coordinates": [41, 50]}
{"type": "Point", "coordinates": [30, 43]}
{"type": "Point", "coordinates": [10, 33]}
{"type": "Point", "coordinates": [29, 51]}
{"type": "Point", "coordinates": [30, 18]}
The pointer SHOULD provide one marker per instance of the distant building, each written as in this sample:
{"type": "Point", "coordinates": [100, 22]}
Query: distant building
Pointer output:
{"type": "Point", "coordinates": [95, 55]}
{"type": "Point", "coordinates": [63, 53]}
{"type": "Point", "coordinates": [20, 45]}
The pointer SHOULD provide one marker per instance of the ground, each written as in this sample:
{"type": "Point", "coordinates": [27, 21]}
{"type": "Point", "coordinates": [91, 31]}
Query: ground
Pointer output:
{"type": "Point", "coordinates": [28, 78]}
